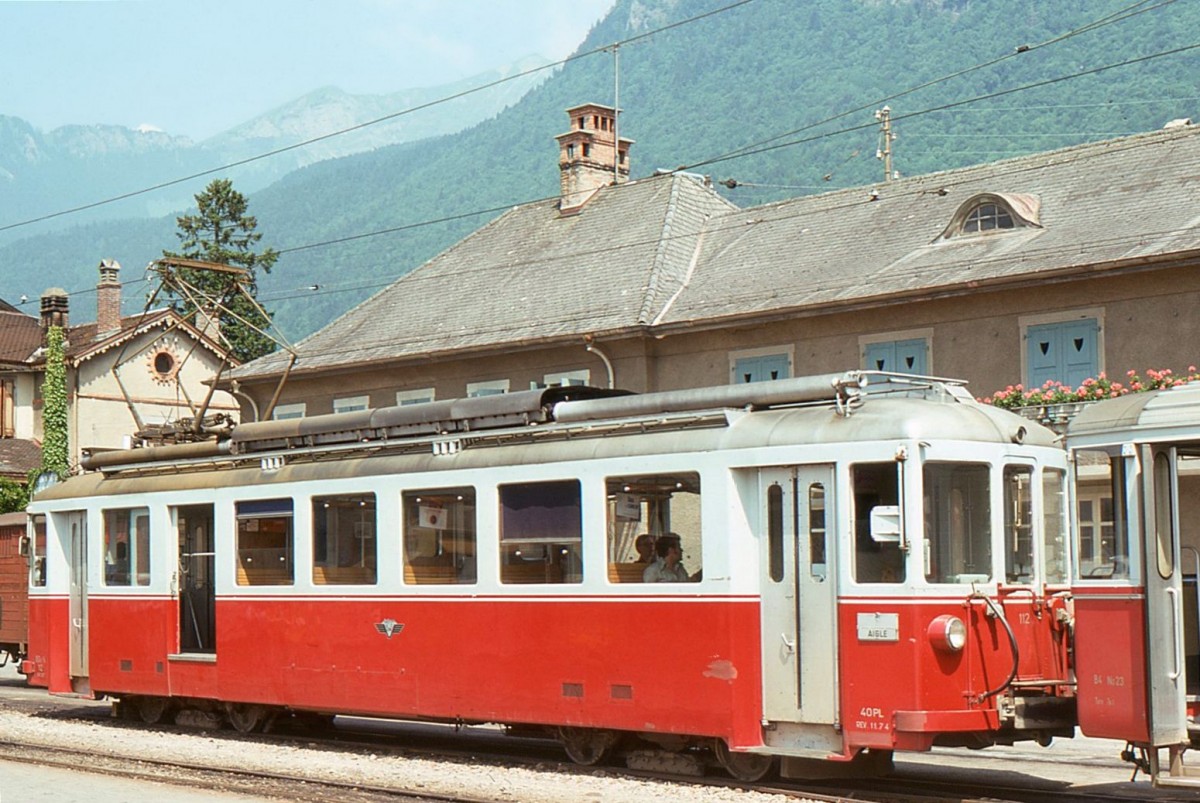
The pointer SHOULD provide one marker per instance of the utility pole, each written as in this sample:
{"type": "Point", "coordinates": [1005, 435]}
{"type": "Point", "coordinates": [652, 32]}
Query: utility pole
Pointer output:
{"type": "Point", "coordinates": [886, 136]}
{"type": "Point", "coordinates": [616, 48]}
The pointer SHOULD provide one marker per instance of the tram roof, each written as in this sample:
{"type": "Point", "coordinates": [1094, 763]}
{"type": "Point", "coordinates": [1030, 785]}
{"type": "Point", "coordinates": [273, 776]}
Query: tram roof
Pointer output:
{"type": "Point", "coordinates": [806, 412]}
{"type": "Point", "coordinates": [1156, 415]}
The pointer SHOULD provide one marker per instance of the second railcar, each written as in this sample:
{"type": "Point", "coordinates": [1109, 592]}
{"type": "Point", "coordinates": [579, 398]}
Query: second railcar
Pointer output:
{"type": "Point", "coordinates": [14, 591]}
{"type": "Point", "coordinates": [836, 572]}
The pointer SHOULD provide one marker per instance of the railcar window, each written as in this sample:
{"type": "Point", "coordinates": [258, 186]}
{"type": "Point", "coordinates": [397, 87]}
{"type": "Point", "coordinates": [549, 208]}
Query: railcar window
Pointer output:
{"type": "Point", "coordinates": [646, 514]}
{"type": "Point", "coordinates": [541, 528]}
{"type": "Point", "coordinates": [958, 532]}
{"type": "Point", "coordinates": [37, 566]}
{"type": "Point", "coordinates": [816, 531]}
{"type": "Point", "coordinates": [127, 546]}
{"type": "Point", "coordinates": [1054, 525]}
{"type": "Point", "coordinates": [264, 543]}
{"type": "Point", "coordinates": [1164, 515]}
{"type": "Point", "coordinates": [344, 539]}
{"type": "Point", "coordinates": [1102, 548]}
{"type": "Point", "coordinates": [775, 534]}
{"type": "Point", "coordinates": [1018, 524]}
{"type": "Point", "coordinates": [875, 486]}
{"type": "Point", "coordinates": [439, 536]}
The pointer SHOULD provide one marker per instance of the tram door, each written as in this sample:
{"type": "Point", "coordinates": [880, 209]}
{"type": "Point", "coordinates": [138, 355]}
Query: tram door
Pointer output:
{"type": "Point", "coordinates": [196, 579]}
{"type": "Point", "coordinates": [1164, 595]}
{"type": "Point", "coordinates": [798, 595]}
{"type": "Point", "coordinates": [77, 532]}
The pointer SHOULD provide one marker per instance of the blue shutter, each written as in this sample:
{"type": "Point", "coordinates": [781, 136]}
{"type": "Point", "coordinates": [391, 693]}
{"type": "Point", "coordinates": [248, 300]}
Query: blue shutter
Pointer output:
{"type": "Point", "coordinates": [760, 369]}
{"type": "Point", "coordinates": [1064, 352]}
{"type": "Point", "coordinates": [898, 356]}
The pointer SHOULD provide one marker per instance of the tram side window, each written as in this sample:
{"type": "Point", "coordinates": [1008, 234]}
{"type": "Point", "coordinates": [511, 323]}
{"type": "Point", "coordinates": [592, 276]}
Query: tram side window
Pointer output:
{"type": "Point", "coordinates": [344, 539]}
{"type": "Point", "coordinates": [1018, 524]}
{"type": "Point", "coordinates": [127, 546]}
{"type": "Point", "coordinates": [37, 565]}
{"type": "Point", "coordinates": [644, 509]}
{"type": "Point", "coordinates": [877, 557]}
{"type": "Point", "coordinates": [1102, 549]}
{"type": "Point", "coordinates": [1054, 525]}
{"type": "Point", "coordinates": [264, 543]}
{"type": "Point", "coordinates": [958, 532]}
{"type": "Point", "coordinates": [439, 536]}
{"type": "Point", "coordinates": [541, 526]}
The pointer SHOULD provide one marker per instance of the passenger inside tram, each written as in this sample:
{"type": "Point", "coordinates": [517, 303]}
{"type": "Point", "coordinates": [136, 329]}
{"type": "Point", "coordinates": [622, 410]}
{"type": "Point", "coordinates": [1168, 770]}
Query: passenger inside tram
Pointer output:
{"type": "Point", "coordinates": [668, 564]}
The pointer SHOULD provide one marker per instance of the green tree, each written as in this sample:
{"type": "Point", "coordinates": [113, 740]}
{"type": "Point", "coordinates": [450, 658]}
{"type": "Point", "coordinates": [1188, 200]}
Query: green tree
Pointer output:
{"type": "Point", "coordinates": [14, 496]}
{"type": "Point", "coordinates": [55, 447]}
{"type": "Point", "coordinates": [223, 233]}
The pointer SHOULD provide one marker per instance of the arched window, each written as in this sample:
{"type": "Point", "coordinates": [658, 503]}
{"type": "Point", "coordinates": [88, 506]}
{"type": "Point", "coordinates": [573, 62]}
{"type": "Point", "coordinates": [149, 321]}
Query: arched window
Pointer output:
{"type": "Point", "coordinates": [985, 217]}
{"type": "Point", "coordinates": [993, 213]}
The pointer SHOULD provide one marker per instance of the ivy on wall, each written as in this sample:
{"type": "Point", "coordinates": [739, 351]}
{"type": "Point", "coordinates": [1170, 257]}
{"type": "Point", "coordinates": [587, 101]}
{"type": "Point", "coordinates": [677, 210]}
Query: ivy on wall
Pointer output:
{"type": "Point", "coordinates": [55, 447]}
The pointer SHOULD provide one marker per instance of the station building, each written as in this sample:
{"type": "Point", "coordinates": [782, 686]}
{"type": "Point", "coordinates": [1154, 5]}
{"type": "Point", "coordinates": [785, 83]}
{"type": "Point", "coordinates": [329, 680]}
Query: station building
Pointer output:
{"type": "Point", "coordinates": [1058, 265]}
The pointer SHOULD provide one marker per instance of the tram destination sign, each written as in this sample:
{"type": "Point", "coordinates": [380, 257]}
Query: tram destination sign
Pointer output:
{"type": "Point", "coordinates": [879, 627]}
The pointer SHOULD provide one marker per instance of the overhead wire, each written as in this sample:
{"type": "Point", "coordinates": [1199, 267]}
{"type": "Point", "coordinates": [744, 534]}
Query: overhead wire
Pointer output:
{"type": "Point", "coordinates": [1116, 17]}
{"type": "Point", "coordinates": [375, 121]}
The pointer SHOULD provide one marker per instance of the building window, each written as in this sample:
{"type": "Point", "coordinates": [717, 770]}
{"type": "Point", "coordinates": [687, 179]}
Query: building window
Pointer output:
{"type": "Point", "coordinates": [994, 213]}
{"type": "Point", "coordinates": [343, 530]}
{"type": "Point", "coordinates": [283, 411]}
{"type": "Point", "coordinates": [490, 388]}
{"type": "Point", "coordinates": [264, 543]}
{"type": "Point", "coordinates": [563, 379]}
{"type": "Point", "coordinates": [1062, 351]}
{"type": "Point", "coordinates": [127, 546]}
{"type": "Point", "coordinates": [351, 404]}
{"type": "Point", "coordinates": [571, 151]}
{"type": "Point", "coordinates": [986, 217]}
{"type": "Point", "coordinates": [760, 365]}
{"type": "Point", "coordinates": [587, 150]}
{"type": "Point", "coordinates": [642, 511]}
{"type": "Point", "coordinates": [418, 396]}
{"type": "Point", "coordinates": [7, 409]}
{"type": "Point", "coordinates": [901, 356]}
{"type": "Point", "coordinates": [439, 536]}
{"type": "Point", "coordinates": [541, 527]}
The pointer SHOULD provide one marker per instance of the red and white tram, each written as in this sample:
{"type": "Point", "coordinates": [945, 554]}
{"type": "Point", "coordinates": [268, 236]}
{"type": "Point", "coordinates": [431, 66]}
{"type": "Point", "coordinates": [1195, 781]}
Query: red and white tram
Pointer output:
{"type": "Point", "coordinates": [1137, 558]}
{"type": "Point", "coordinates": [866, 569]}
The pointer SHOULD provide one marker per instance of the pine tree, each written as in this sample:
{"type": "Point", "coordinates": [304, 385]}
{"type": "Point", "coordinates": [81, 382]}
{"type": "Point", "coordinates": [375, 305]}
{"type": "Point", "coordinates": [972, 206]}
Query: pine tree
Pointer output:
{"type": "Point", "coordinates": [55, 446]}
{"type": "Point", "coordinates": [223, 233]}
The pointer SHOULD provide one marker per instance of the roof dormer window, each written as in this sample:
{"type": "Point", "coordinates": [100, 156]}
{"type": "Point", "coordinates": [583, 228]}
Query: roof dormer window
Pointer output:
{"type": "Point", "coordinates": [987, 217]}
{"type": "Point", "coordinates": [994, 213]}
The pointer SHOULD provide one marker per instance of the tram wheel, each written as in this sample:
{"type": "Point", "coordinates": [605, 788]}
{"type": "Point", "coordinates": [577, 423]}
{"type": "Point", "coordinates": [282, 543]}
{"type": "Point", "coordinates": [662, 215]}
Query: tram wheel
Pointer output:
{"type": "Point", "coordinates": [587, 746]}
{"type": "Point", "coordinates": [748, 767]}
{"type": "Point", "coordinates": [245, 718]}
{"type": "Point", "coordinates": [151, 709]}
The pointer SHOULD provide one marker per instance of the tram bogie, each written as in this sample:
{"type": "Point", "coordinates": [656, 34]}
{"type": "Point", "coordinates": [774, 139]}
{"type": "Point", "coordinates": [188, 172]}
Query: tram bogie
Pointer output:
{"type": "Point", "coordinates": [829, 567]}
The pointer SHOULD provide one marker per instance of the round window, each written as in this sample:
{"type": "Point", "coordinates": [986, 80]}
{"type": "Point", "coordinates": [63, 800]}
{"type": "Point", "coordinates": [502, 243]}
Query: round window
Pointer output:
{"type": "Point", "coordinates": [164, 363]}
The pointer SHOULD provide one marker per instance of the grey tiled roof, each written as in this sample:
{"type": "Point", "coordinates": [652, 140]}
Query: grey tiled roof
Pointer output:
{"type": "Point", "coordinates": [530, 275]}
{"type": "Point", "coordinates": [668, 251]}
{"type": "Point", "coordinates": [1103, 203]}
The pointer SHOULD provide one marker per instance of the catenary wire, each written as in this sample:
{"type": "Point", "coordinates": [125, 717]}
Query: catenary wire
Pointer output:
{"type": "Point", "coordinates": [376, 121]}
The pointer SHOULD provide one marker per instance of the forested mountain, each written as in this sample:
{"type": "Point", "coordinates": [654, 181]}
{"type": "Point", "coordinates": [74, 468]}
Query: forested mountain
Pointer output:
{"type": "Point", "coordinates": [769, 75]}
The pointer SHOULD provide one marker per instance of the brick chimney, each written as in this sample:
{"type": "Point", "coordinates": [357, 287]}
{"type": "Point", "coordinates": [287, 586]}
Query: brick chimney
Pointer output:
{"type": "Point", "coordinates": [589, 155]}
{"type": "Point", "coordinates": [108, 297]}
{"type": "Point", "coordinates": [54, 308]}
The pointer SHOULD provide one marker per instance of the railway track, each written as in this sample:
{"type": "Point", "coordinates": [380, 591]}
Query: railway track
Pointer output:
{"type": "Point", "coordinates": [491, 750]}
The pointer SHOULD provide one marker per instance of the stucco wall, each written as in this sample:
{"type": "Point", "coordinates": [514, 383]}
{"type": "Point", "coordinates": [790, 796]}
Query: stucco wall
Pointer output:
{"type": "Point", "coordinates": [1147, 321]}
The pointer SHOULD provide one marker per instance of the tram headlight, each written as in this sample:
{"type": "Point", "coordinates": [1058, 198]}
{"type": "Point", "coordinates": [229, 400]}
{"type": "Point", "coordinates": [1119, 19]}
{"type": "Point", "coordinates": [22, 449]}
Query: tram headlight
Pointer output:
{"type": "Point", "coordinates": [947, 633]}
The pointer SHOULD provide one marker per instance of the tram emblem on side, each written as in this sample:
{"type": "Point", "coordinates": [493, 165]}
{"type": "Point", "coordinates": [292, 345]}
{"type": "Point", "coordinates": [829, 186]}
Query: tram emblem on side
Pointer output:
{"type": "Point", "coordinates": [389, 627]}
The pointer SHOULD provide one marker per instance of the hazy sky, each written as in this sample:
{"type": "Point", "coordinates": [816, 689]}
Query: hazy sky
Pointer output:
{"type": "Point", "coordinates": [198, 67]}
